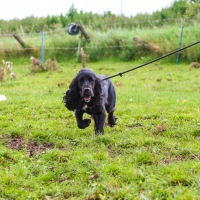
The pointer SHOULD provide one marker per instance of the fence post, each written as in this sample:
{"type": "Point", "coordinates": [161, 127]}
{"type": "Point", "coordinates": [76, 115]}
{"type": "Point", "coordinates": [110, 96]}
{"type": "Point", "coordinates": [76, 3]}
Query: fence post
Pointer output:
{"type": "Point", "coordinates": [42, 54]}
{"type": "Point", "coordinates": [179, 46]}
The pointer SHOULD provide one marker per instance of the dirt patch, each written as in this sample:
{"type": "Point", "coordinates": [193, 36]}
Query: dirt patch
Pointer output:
{"type": "Point", "coordinates": [18, 143]}
{"type": "Point", "coordinates": [160, 129]}
{"type": "Point", "coordinates": [179, 158]}
{"type": "Point", "coordinates": [15, 143]}
{"type": "Point", "coordinates": [34, 146]}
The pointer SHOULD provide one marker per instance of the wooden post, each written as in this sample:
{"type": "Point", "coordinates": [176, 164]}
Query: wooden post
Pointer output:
{"type": "Point", "coordinates": [42, 54]}
{"type": "Point", "coordinates": [19, 40]}
{"type": "Point", "coordinates": [83, 31]}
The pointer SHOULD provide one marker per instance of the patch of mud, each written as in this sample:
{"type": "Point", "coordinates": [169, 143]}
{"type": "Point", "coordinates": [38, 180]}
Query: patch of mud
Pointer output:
{"type": "Point", "coordinates": [34, 146]}
{"type": "Point", "coordinates": [19, 143]}
{"type": "Point", "coordinates": [179, 158]}
{"type": "Point", "coordinates": [15, 143]}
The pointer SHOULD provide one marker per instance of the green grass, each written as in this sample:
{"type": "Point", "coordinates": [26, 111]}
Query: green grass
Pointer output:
{"type": "Point", "coordinates": [115, 43]}
{"type": "Point", "coordinates": [152, 152]}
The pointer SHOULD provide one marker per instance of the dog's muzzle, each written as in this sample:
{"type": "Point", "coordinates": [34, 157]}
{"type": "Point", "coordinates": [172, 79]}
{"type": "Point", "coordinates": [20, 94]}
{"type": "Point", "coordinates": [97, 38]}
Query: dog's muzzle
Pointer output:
{"type": "Point", "coordinates": [87, 93]}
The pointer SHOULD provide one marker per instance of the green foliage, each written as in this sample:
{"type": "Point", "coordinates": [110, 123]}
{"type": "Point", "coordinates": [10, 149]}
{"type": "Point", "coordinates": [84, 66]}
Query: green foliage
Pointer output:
{"type": "Point", "coordinates": [63, 21]}
{"type": "Point", "coordinates": [30, 26]}
{"type": "Point", "coordinates": [180, 9]}
{"type": "Point", "coordinates": [116, 43]}
{"type": "Point", "coordinates": [193, 9]}
{"type": "Point", "coordinates": [48, 21]}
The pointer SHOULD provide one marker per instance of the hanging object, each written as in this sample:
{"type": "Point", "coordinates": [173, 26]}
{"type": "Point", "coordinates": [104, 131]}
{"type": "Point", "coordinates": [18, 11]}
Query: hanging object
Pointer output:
{"type": "Point", "coordinates": [73, 29]}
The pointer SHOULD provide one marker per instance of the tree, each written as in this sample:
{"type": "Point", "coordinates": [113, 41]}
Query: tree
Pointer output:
{"type": "Point", "coordinates": [193, 8]}
{"type": "Point", "coordinates": [63, 21]}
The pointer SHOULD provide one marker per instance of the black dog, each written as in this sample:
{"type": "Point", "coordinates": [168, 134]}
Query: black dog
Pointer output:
{"type": "Point", "coordinates": [89, 93]}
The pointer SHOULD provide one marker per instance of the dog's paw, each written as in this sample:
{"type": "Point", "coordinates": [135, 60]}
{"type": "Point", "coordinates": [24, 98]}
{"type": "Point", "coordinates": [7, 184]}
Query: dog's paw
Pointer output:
{"type": "Point", "coordinates": [85, 123]}
{"type": "Point", "coordinates": [112, 121]}
{"type": "Point", "coordinates": [99, 132]}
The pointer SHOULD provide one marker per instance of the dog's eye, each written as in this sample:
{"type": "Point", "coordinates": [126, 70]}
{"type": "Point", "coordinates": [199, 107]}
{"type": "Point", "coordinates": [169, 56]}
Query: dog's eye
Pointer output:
{"type": "Point", "coordinates": [81, 80]}
{"type": "Point", "coordinates": [91, 80]}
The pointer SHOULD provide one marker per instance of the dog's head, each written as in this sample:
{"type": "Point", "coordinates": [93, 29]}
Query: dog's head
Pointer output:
{"type": "Point", "coordinates": [85, 87]}
{"type": "Point", "coordinates": [88, 84]}
{"type": "Point", "coordinates": [86, 81]}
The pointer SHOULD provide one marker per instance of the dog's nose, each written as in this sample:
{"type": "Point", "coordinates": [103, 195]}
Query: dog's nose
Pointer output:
{"type": "Point", "coordinates": [86, 90]}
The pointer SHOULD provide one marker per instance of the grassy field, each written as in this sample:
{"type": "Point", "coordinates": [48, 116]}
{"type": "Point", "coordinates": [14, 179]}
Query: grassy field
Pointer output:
{"type": "Point", "coordinates": [152, 153]}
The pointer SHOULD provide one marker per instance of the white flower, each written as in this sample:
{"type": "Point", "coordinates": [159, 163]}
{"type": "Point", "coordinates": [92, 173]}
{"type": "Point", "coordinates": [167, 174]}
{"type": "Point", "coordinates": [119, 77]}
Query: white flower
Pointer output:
{"type": "Point", "coordinates": [2, 97]}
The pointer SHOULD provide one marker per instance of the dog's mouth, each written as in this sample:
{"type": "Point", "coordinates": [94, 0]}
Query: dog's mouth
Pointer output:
{"type": "Point", "coordinates": [87, 94]}
{"type": "Point", "coordinates": [87, 99]}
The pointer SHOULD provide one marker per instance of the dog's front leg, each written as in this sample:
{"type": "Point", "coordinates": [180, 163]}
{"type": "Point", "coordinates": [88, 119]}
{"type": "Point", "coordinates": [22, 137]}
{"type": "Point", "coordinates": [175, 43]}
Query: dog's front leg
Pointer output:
{"type": "Point", "coordinates": [111, 119]}
{"type": "Point", "coordinates": [99, 120]}
{"type": "Point", "coordinates": [80, 122]}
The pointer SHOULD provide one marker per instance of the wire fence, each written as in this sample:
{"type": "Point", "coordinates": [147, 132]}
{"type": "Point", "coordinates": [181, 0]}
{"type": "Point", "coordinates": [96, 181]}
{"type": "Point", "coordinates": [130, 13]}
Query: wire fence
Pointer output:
{"type": "Point", "coordinates": [8, 43]}
{"type": "Point", "coordinates": [114, 24]}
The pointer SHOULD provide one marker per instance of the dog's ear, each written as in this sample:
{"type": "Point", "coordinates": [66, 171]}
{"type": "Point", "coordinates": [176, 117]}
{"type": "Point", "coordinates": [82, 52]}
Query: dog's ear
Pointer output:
{"type": "Point", "coordinates": [98, 88]}
{"type": "Point", "coordinates": [74, 85]}
{"type": "Point", "coordinates": [72, 96]}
